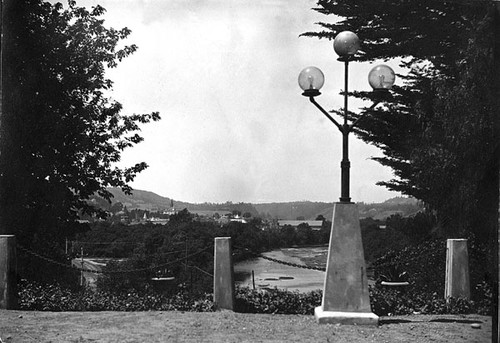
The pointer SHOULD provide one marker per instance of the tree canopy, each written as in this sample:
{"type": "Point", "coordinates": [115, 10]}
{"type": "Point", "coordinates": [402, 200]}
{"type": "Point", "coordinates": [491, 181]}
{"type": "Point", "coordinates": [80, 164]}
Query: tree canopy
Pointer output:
{"type": "Point", "coordinates": [61, 136]}
{"type": "Point", "coordinates": [439, 130]}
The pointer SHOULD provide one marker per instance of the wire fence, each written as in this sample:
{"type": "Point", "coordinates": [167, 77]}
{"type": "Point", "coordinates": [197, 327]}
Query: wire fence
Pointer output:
{"type": "Point", "coordinates": [78, 243]}
{"type": "Point", "coordinates": [83, 264]}
{"type": "Point", "coordinates": [121, 271]}
{"type": "Point", "coordinates": [184, 258]}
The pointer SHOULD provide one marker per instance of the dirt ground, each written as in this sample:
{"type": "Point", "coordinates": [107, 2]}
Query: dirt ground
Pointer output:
{"type": "Point", "coordinates": [226, 326]}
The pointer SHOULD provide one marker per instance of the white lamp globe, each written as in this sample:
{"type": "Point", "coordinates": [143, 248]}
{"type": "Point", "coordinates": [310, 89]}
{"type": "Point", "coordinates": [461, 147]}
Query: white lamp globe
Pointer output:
{"type": "Point", "coordinates": [381, 77]}
{"type": "Point", "coordinates": [346, 44]}
{"type": "Point", "coordinates": [311, 79]}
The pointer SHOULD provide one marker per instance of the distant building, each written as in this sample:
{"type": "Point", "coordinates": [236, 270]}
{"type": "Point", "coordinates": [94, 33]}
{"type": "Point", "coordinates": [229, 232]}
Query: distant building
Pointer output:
{"type": "Point", "coordinates": [313, 224]}
{"type": "Point", "coordinates": [238, 219]}
{"type": "Point", "coordinates": [172, 210]}
{"type": "Point", "coordinates": [158, 221]}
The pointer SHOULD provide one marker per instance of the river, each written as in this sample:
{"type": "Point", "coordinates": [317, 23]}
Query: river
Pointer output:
{"type": "Point", "coordinates": [270, 274]}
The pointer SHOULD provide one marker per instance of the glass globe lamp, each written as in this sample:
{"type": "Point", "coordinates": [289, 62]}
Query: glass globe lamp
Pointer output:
{"type": "Point", "coordinates": [311, 79]}
{"type": "Point", "coordinates": [381, 78]}
{"type": "Point", "coordinates": [346, 44]}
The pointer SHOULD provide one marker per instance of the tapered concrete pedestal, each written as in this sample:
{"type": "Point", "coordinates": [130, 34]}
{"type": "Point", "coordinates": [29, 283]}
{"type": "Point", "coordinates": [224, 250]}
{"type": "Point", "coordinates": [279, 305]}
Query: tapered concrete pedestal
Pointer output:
{"type": "Point", "coordinates": [223, 274]}
{"type": "Point", "coordinates": [8, 277]}
{"type": "Point", "coordinates": [345, 294]}
{"type": "Point", "coordinates": [457, 282]}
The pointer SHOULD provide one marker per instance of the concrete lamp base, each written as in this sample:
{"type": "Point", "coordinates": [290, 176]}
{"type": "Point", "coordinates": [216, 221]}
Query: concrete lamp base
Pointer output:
{"type": "Point", "coordinates": [347, 318]}
{"type": "Point", "coordinates": [345, 294]}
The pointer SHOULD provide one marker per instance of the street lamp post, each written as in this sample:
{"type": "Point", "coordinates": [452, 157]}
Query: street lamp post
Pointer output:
{"type": "Point", "coordinates": [345, 295]}
{"type": "Point", "coordinates": [311, 80]}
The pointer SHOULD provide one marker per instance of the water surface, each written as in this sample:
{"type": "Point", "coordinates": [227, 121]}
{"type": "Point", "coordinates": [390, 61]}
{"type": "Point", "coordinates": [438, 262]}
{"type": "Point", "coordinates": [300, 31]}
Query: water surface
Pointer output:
{"type": "Point", "coordinates": [269, 274]}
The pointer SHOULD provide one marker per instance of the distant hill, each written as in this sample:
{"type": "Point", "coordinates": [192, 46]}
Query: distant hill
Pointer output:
{"type": "Point", "coordinates": [398, 205]}
{"type": "Point", "coordinates": [146, 200]}
{"type": "Point", "coordinates": [401, 201]}
{"type": "Point", "coordinates": [293, 210]}
{"type": "Point", "coordinates": [143, 200]}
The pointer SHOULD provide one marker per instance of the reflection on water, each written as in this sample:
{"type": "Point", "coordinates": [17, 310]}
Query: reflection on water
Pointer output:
{"type": "Point", "coordinates": [270, 274]}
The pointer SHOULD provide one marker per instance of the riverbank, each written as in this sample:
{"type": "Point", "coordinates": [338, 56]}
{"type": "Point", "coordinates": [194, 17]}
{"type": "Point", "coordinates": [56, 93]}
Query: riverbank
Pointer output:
{"type": "Point", "coordinates": [270, 274]}
{"type": "Point", "coordinates": [151, 327]}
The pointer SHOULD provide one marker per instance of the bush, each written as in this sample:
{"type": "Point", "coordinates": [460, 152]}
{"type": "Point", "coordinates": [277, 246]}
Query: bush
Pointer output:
{"type": "Point", "coordinates": [34, 296]}
{"type": "Point", "coordinates": [276, 301]}
{"type": "Point", "coordinates": [424, 265]}
{"type": "Point", "coordinates": [486, 298]}
{"type": "Point", "coordinates": [389, 301]}
{"type": "Point", "coordinates": [384, 301]}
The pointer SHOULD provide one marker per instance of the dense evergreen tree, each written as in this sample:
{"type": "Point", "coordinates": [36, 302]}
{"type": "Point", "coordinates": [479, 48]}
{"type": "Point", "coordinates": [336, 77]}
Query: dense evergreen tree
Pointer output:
{"type": "Point", "coordinates": [439, 131]}
{"type": "Point", "coordinates": [61, 136]}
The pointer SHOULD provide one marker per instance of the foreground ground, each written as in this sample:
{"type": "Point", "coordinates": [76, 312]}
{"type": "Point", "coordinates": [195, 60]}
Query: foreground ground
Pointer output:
{"type": "Point", "coordinates": [128, 327]}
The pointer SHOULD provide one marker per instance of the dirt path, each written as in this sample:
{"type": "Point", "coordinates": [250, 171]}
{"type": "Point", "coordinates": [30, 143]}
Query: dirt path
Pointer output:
{"type": "Point", "coordinates": [128, 327]}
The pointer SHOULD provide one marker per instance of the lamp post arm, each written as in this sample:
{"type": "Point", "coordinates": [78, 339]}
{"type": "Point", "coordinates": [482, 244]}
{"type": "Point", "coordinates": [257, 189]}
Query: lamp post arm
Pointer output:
{"type": "Point", "coordinates": [326, 114]}
{"type": "Point", "coordinates": [362, 116]}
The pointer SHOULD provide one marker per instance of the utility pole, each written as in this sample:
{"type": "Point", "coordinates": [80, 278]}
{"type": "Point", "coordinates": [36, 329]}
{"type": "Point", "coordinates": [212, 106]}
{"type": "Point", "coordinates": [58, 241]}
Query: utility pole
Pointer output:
{"type": "Point", "coordinates": [186, 255]}
{"type": "Point", "coordinates": [3, 6]}
{"type": "Point", "coordinates": [81, 270]}
{"type": "Point", "coordinates": [2, 47]}
{"type": "Point", "coordinates": [496, 56]}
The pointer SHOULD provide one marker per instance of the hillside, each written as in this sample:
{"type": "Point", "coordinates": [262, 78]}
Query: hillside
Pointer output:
{"type": "Point", "coordinates": [292, 210]}
{"type": "Point", "coordinates": [380, 211]}
{"type": "Point", "coordinates": [143, 200]}
{"type": "Point", "coordinates": [146, 200]}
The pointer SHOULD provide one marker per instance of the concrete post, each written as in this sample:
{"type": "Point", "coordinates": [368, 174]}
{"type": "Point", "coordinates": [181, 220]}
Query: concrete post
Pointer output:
{"type": "Point", "coordinates": [345, 295]}
{"type": "Point", "coordinates": [457, 284]}
{"type": "Point", "coordinates": [8, 281]}
{"type": "Point", "coordinates": [223, 274]}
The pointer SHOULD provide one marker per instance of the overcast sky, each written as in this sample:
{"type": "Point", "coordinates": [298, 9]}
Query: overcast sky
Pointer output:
{"type": "Point", "coordinates": [235, 127]}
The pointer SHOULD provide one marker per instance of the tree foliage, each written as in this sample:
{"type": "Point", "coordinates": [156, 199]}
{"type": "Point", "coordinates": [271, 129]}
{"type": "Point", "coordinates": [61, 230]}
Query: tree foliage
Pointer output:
{"type": "Point", "coordinates": [61, 135]}
{"type": "Point", "coordinates": [439, 130]}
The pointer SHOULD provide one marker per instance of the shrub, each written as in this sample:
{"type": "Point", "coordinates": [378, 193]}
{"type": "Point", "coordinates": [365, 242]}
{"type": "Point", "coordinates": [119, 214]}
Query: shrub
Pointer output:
{"type": "Point", "coordinates": [424, 265]}
{"type": "Point", "coordinates": [34, 296]}
{"type": "Point", "coordinates": [486, 298]}
{"type": "Point", "coordinates": [384, 301]}
{"type": "Point", "coordinates": [276, 301]}
{"type": "Point", "coordinates": [389, 301]}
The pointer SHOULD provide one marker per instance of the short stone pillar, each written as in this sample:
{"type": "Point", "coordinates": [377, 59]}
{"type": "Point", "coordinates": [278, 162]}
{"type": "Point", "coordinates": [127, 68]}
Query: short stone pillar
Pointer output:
{"type": "Point", "coordinates": [345, 295]}
{"type": "Point", "coordinates": [457, 284]}
{"type": "Point", "coordinates": [223, 274]}
{"type": "Point", "coordinates": [8, 277]}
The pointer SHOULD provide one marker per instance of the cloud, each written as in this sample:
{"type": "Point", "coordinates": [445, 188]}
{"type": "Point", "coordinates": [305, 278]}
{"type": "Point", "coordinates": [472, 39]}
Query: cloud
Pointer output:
{"type": "Point", "coordinates": [223, 75]}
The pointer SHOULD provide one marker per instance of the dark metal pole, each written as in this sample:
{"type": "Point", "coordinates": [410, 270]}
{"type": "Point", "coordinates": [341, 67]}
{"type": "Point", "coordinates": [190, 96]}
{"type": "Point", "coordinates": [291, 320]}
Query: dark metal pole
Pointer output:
{"type": "Point", "coordinates": [345, 165]}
